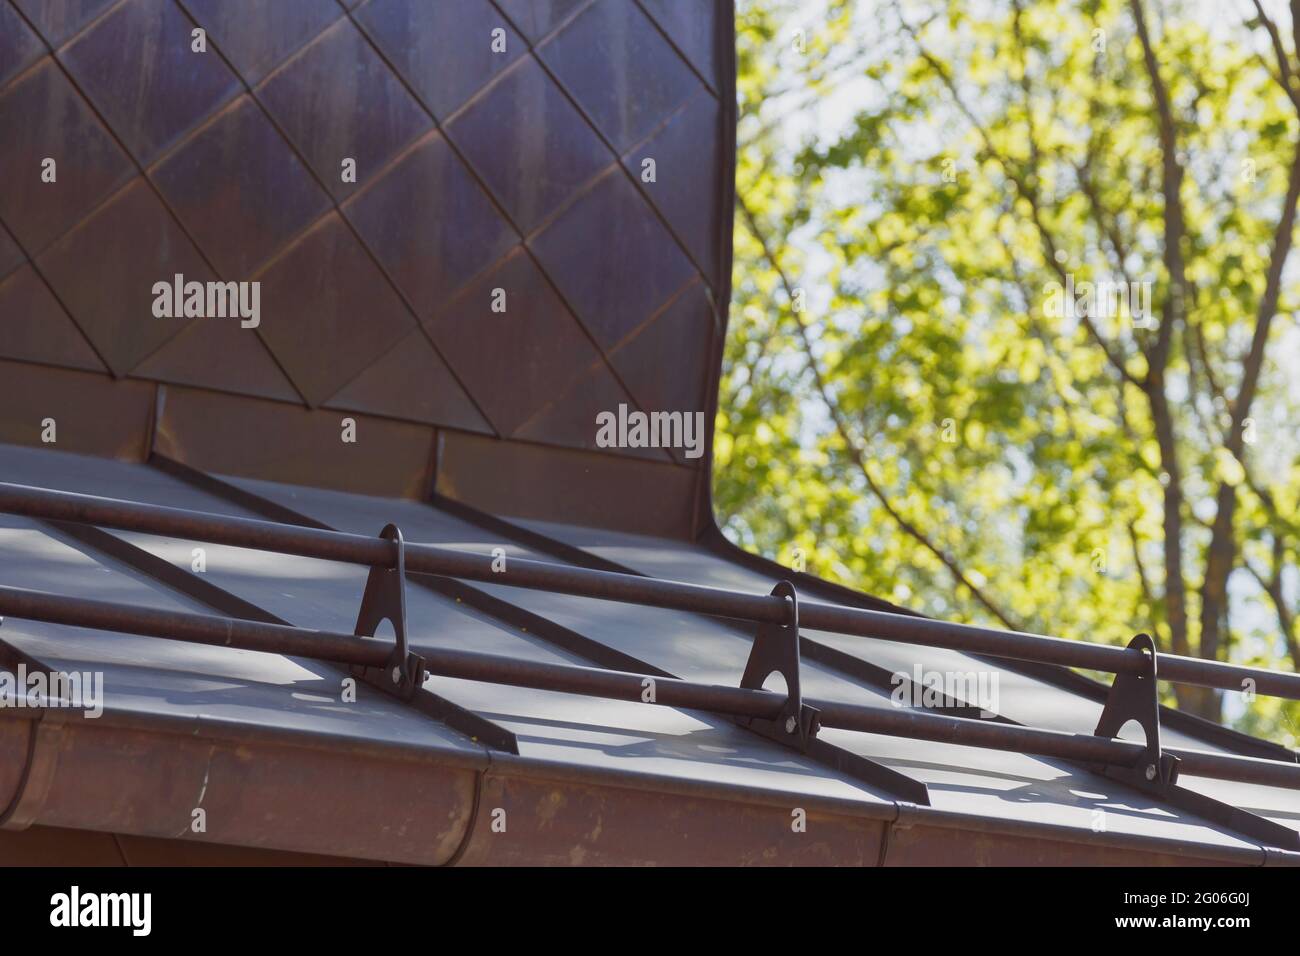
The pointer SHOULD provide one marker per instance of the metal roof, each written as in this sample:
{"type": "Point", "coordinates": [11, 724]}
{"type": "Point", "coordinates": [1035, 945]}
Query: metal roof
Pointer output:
{"type": "Point", "coordinates": [476, 172]}
{"type": "Point", "coordinates": [517, 171]}
{"type": "Point", "coordinates": [218, 690]}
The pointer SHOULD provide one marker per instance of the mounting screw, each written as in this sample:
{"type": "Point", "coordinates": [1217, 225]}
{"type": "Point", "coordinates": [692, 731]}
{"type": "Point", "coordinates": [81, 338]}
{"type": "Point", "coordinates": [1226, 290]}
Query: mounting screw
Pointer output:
{"type": "Point", "coordinates": [790, 725]}
{"type": "Point", "coordinates": [1151, 771]}
{"type": "Point", "coordinates": [397, 675]}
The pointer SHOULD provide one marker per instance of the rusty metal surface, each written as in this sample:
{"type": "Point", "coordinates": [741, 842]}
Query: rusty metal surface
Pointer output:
{"type": "Point", "coordinates": [179, 680]}
{"type": "Point", "coordinates": [477, 170]}
{"type": "Point", "coordinates": [49, 338]}
{"type": "Point", "coordinates": [90, 412]}
{"type": "Point", "coordinates": [1025, 698]}
{"type": "Point", "coordinates": [319, 541]}
{"type": "Point", "coordinates": [603, 741]}
{"type": "Point", "coordinates": [293, 443]}
{"type": "Point", "coordinates": [57, 846]}
{"type": "Point", "coordinates": [313, 593]}
{"type": "Point", "coordinates": [565, 823]}
{"type": "Point", "coordinates": [769, 711]}
{"type": "Point", "coordinates": [704, 650]}
{"type": "Point", "coordinates": [529, 480]}
{"type": "Point", "coordinates": [291, 798]}
{"type": "Point", "coordinates": [294, 768]}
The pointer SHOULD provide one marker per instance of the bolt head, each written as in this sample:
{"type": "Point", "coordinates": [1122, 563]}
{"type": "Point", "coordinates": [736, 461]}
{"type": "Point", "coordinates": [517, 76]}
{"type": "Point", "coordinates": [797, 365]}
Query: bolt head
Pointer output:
{"type": "Point", "coordinates": [790, 725]}
{"type": "Point", "coordinates": [397, 675]}
{"type": "Point", "coordinates": [1151, 771]}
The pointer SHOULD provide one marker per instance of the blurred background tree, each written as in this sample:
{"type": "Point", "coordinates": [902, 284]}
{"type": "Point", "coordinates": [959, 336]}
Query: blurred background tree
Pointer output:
{"type": "Point", "coordinates": [909, 401]}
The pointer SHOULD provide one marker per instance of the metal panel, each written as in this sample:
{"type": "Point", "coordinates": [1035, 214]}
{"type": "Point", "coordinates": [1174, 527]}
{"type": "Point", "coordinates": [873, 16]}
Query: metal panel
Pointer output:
{"type": "Point", "coordinates": [519, 361]}
{"type": "Point", "coordinates": [441, 50]}
{"type": "Point", "coordinates": [608, 48]}
{"type": "Point", "coordinates": [11, 257]}
{"type": "Point", "coordinates": [35, 327]}
{"type": "Point", "coordinates": [691, 139]}
{"type": "Point", "coordinates": [1022, 698]}
{"type": "Point", "coordinates": [430, 224]}
{"type": "Point", "coordinates": [241, 145]}
{"type": "Point", "coordinates": [19, 46]}
{"type": "Point", "coordinates": [971, 788]}
{"type": "Point", "coordinates": [331, 312]}
{"type": "Point", "coordinates": [106, 283]}
{"type": "Point", "coordinates": [574, 729]}
{"type": "Point", "coordinates": [656, 345]}
{"type": "Point", "coordinates": [42, 115]}
{"type": "Point", "coordinates": [411, 383]}
{"type": "Point", "coordinates": [570, 418]}
{"type": "Point", "coordinates": [92, 414]}
{"type": "Point", "coordinates": [525, 122]}
{"type": "Point", "coordinates": [220, 356]}
{"type": "Point", "coordinates": [239, 189]}
{"type": "Point", "coordinates": [292, 443]}
{"type": "Point", "coordinates": [136, 67]}
{"type": "Point", "coordinates": [337, 100]}
{"type": "Point", "coordinates": [57, 20]}
{"type": "Point", "coordinates": [148, 676]}
{"type": "Point", "coordinates": [256, 36]}
{"type": "Point", "coordinates": [961, 778]}
{"type": "Point", "coordinates": [631, 265]}
{"type": "Point", "coordinates": [523, 479]}
{"type": "Point", "coordinates": [537, 18]}
{"type": "Point", "coordinates": [694, 35]}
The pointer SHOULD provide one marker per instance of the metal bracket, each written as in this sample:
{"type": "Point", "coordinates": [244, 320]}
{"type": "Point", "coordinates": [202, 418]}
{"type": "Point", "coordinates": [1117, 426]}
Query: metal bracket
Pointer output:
{"type": "Point", "coordinates": [776, 651]}
{"type": "Point", "coordinates": [403, 673]}
{"type": "Point", "coordinates": [385, 599]}
{"type": "Point", "coordinates": [1137, 697]}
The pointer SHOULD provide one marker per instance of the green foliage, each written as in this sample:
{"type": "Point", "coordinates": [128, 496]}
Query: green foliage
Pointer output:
{"type": "Point", "coordinates": [928, 426]}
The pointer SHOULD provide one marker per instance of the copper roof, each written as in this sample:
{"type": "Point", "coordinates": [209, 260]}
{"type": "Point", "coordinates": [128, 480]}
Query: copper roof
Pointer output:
{"type": "Point", "coordinates": [477, 170]}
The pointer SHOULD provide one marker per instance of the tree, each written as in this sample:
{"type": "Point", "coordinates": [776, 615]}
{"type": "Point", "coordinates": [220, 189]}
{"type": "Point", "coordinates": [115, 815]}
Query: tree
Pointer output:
{"type": "Point", "coordinates": [1012, 335]}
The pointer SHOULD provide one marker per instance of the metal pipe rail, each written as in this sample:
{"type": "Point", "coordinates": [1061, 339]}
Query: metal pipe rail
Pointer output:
{"type": "Point", "coordinates": [628, 588]}
{"type": "Point", "coordinates": [621, 685]}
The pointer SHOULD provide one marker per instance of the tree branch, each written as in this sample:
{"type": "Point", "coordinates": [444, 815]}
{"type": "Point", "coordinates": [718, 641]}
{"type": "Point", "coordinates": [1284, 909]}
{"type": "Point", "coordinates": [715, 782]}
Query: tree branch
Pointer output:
{"type": "Point", "coordinates": [854, 449]}
{"type": "Point", "coordinates": [1272, 586]}
{"type": "Point", "coordinates": [1222, 552]}
{"type": "Point", "coordinates": [1026, 191]}
{"type": "Point", "coordinates": [1284, 75]}
{"type": "Point", "coordinates": [1158, 356]}
{"type": "Point", "coordinates": [1147, 594]}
